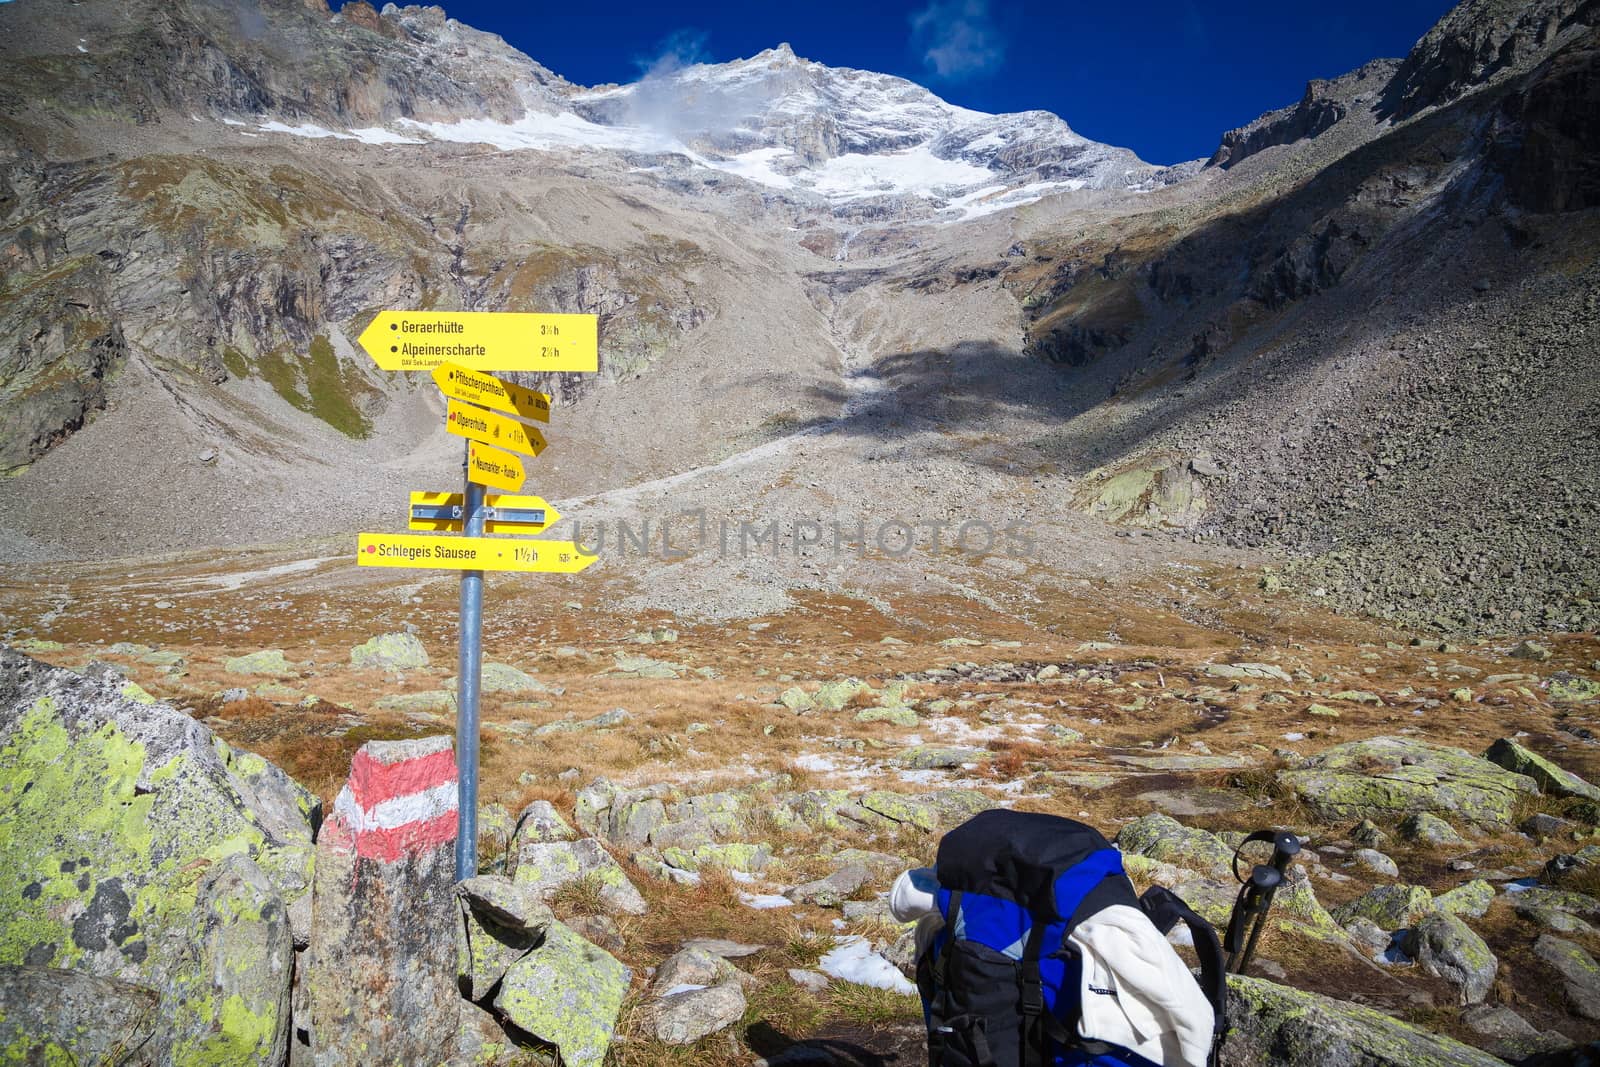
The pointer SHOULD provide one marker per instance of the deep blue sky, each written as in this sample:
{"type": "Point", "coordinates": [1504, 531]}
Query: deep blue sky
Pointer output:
{"type": "Point", "coordinates": [1163, 77]}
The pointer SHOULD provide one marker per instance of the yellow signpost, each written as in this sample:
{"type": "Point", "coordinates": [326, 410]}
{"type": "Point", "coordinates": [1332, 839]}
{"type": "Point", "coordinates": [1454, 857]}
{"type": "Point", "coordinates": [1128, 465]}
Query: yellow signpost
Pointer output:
{"type": "Point", "coordinates": [505, 513]}
{"type": "Point", "coordinates": [476, 424]}
{"type": "Point", "coordinates": [483, 340]}
{"type": "Point", "coordinates": [457, 347]}
{"type": "Point", "coordinates": [446, 552]}
{"type": "Point", "coordinates": [494, 468]}
{"type": "Point", "coordinates": [490, 392]}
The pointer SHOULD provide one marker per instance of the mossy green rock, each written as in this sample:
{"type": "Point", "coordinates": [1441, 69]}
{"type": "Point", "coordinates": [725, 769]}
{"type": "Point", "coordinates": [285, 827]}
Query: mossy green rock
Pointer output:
{"type": "Point", "coordinates": [796, 699]}
{"type": "Point", "coordinates": [1447, 948]}
{"type": "Point", "coordinates": [1277, 1026]}
{"type": "Point", "coordinates": [1296, 900]}
{"type": "Point", "coordinates": [901, 808]}
{"type": "Point", "coordinates": [486, 948]}
{"type": "Point", "coordinates": [502, 678]}
{"type": "Point", "coordinates": [1163, 838]}
{"type": "Point", "coordinates": [390, 652]}
{"type": "Point", "coordinates": [1248, 670]}
{"type": "Point", "coordinates": [270, 662]}
{"type": "Point", "coordinates": [1571, 688]}
{"type": "Point", "coordinates": [137, 845]}
{"type": "Point", "coordinates": [645, 667]}
{"type": "Point", "coordinates": [1387, 777]}
{"type": "Point", "coordinates": [1390, 906]}
{"type": "Point", "coordinates": [547, 866]}
{"type": "Point", "coordinates": [1472, 899]}
{"type": "Point", "coordinates": [832, 696]}
{"type": "Point", "coordinates": [50, 1016]}
{"type": "Point", "coordinates": [956, 806]}
{"type": "Point", "coordinates": [898, 716]}
{"type": "Point", "coordinates": [1551, 778]}
{"type": "Point", "coordinates": [1566, 900]}
{"type": "Point", "coordinates": [482, 1042]}
{"type": "Point", "coordinates": [236, 1008]}
{"type": "Point", "coordinates": [135, 692]}
{"type": "Point", "coordinates": [567, 993]}
{"type": "Point", "coordinates": [433, 700]}
{"type": "Point", "coordinates": [1428, 829]}
{"type": "Point", "coordinates": [728, 855]}
{"type": "Point", "coordinates": [932, 757]}
{"type": "Point", "coordinates": [819, 809]}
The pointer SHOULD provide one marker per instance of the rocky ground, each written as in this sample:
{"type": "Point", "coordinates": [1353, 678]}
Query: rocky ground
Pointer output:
{"type": "Point", "coordinates": [722, 805]}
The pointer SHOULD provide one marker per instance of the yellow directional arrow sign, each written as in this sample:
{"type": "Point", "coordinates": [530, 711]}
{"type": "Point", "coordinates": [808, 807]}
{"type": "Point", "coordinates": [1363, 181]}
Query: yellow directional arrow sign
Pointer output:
{"type": "Point", "coordinates": [442, 512]}
{"type": "Point", "coordinates": [489, 392]}
{"type": "Point", "coordinates": [476, 424]}
{"type": "Point", "coordinates": [494, 468]}
{"type": "Point", "coordinates": [483, 340]}
{"type": "Point", "coordinates": [443, 552]}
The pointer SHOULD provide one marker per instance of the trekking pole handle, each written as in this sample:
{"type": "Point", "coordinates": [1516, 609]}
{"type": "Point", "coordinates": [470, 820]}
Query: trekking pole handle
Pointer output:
{"type": "Point", "coordinates": [1255, 899]}
{"type": "Point", "coordinates": [1285, 847]}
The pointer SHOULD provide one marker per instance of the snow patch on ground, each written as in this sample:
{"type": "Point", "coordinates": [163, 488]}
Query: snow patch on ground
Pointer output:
{"type": "Point", "coordinates": [369, 135]}
{"type": "Point", "coordinates": [537, 130]}
{"type": "Point", "coordinates": [914, 171]}
{"type": "Point", "coordinates": [854, 961]}
{"type": "Point", "coordinates": [757, 166]}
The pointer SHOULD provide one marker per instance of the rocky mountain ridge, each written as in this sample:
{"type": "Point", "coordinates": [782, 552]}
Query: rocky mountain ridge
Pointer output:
{"type": "Point", "coordinates": [1211, 349]}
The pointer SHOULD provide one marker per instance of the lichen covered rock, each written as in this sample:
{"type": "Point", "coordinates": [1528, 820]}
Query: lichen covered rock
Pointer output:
{"type": "Point", "coordinates": [567, 993]}
{"type": "Point", "coordinates": [1278, 1026]}
{"type": "Point", "coordinates": [748, 857]}
{"type": "Point", "coordinates": [1163, 838]}
{"type": "Point", "coordinates": [1390, 906]}
{"type": "Point", "coordinates": [693, 1012]}
{"type": "Point", "coordinates": [913, 811]}
{"type": "Point", "coordinates": [1551, 778]}
{"type": "Point", "coordinates": [270, 661]}
{"type": "Point", "coordinates": [1428, 829]}
{"type": "Point", "coordinates": [832, 696]}
{"type": "Point", "coordinates": [138, 846]}
{"type": "Point", "coordinates": [1447, 948]}
{"type": "Point", "coordinates": [1389, 777]}
{"type": "Point", "coordinates": [1472, 899]}
{"type": "Point", "coordinates": [51, 1016]}
{"type": "Point", "coordinates": [500, 923]}
{"type": "Point", "coordinates": [547, 866]}
{"type": "Point", "coordinates": [390, 652]}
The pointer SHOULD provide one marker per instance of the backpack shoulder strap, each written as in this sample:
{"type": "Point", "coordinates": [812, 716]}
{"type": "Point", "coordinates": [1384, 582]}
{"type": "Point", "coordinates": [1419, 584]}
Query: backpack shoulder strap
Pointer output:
{"type": "Point", "coordinates": [1165, 909]}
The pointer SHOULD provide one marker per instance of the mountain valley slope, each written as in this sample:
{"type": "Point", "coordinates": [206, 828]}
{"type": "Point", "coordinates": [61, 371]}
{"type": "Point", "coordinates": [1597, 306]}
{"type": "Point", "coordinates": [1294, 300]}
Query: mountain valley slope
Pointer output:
{"type": "Point", "coordinates": [1310, 348]}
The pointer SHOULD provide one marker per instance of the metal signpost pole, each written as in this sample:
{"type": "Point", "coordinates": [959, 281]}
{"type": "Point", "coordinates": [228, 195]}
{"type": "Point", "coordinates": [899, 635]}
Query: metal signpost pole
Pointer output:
{"type": "Point", "coordinates": [469, 674]}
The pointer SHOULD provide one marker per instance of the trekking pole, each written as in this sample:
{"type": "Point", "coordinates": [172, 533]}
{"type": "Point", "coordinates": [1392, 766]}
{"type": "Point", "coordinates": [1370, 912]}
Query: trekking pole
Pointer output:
{"type": "Point", "coordinates": [1255, 898]}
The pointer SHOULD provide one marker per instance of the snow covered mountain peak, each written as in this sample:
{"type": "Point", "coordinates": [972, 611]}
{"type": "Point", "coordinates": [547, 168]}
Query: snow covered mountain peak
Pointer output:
{"type": "Point", "coordinates": [837, 134]}
{"type": "Point", "coordinates": [793, 123]}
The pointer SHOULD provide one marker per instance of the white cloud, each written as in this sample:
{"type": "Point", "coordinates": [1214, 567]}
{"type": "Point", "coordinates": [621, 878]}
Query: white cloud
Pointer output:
{"type": "Point", "coordinates": [958, 38]}
{"type": "Point", "coordinates": [679, 49]}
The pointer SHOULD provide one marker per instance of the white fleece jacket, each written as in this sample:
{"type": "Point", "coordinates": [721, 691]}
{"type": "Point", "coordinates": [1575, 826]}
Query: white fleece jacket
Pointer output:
{"type": "Point", "coordinates": [1137, 991]}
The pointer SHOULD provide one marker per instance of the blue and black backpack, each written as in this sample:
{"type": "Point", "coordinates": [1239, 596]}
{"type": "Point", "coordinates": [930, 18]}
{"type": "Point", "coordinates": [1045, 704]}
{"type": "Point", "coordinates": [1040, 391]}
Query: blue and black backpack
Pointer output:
{"type": "Point", "coordinates": [1000, 982]}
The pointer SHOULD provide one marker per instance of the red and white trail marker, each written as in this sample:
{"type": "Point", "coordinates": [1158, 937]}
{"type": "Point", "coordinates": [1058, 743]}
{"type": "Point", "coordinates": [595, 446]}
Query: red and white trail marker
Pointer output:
{"type": "Point", "coordinates": [399, 800]}
{"type": "Point", "coordinates": [381, 974]}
